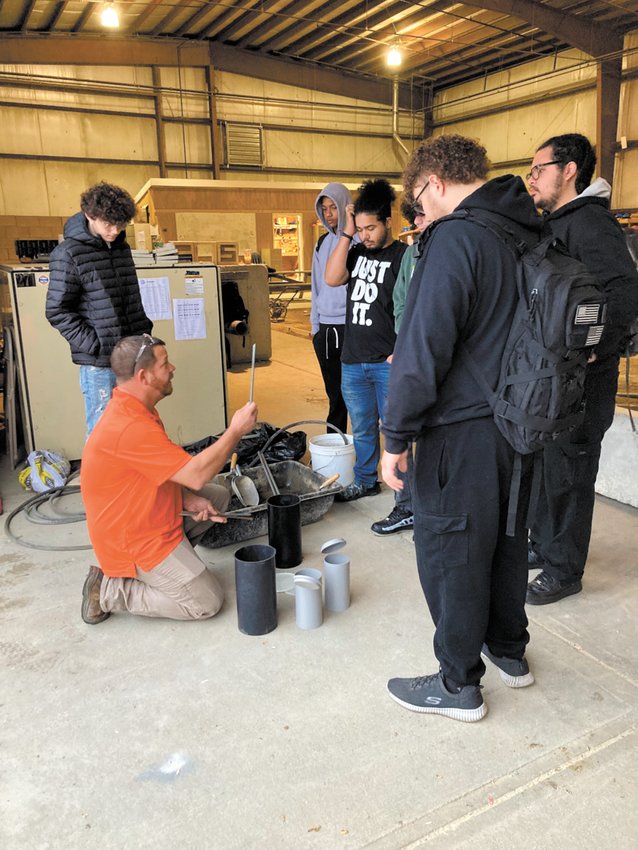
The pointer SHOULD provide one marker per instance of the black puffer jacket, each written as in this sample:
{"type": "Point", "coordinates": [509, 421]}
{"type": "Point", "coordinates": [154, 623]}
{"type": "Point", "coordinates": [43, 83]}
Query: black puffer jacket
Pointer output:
{"type": "Point", "coordinates": [94, 297]}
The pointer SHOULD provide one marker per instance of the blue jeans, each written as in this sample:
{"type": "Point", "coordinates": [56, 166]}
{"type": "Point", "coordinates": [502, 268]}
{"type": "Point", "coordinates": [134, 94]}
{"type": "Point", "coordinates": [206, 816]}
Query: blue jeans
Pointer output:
{"type": "Point", "coordinates": [96, 383]}
{"type": "Point", "coordinates": [364, 387]}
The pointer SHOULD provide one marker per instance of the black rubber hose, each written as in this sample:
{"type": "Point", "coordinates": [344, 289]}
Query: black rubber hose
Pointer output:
{"type": "Point", "coordinates": [270, 440]}
{"type": "Point", "coordinates": [34, 501]}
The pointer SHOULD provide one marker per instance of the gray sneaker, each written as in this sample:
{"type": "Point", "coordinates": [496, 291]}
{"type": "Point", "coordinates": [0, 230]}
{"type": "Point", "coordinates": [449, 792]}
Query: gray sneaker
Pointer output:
{"type": "Point", "coordinates": [428, 694]}
{"type": "Point", "coordinates": [514, 673]}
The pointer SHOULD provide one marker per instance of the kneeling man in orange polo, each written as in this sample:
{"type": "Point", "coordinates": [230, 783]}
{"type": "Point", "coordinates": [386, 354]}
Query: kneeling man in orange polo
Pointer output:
{"type": "Point", "coordinates": [135, 484]}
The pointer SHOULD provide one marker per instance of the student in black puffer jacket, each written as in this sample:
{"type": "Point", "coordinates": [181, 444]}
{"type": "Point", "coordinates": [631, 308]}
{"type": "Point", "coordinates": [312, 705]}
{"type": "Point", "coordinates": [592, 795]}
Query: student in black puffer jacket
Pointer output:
{"type": "Point", "coordinates": [94, 297]}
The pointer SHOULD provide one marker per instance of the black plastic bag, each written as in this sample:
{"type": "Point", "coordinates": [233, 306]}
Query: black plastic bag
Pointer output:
{"type": "Point", "coordinates": [285, 446]}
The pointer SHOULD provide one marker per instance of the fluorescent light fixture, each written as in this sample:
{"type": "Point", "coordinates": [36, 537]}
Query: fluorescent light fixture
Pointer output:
{"type": "Point", "coordinates": [393, 57]}
{"type": "Point", "coordinates": [109, 17]}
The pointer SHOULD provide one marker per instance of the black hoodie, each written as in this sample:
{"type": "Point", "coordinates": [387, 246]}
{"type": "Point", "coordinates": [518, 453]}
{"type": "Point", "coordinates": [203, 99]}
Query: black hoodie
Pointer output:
{"type": "Point", "coordinates": [592, 235]}
{"type": "Point", "coordinates": [463, 291]}
{"type": "Point", "coordinates": [94, 297]}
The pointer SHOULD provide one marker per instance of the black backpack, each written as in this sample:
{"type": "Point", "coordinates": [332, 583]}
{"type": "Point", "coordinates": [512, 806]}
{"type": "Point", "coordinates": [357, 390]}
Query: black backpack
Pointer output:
{"type": "Point", "coordinates": [559, 318]}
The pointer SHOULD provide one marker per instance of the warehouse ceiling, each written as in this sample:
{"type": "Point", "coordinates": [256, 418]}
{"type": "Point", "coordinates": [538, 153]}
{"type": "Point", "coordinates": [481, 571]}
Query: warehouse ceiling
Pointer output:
{"type": "Point", "coordinates": [442, 42]}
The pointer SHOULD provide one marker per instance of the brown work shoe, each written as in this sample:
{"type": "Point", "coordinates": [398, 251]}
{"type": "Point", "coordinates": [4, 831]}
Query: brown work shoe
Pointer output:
{"type": "Point", "coordinates": [91, 611]}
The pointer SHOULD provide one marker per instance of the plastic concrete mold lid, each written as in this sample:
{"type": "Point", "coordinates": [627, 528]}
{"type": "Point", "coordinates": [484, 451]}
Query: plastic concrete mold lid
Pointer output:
{"type": "Point", "coordinates": [285, 582]}
{"type": "Point", "coordinates": [333, 545]}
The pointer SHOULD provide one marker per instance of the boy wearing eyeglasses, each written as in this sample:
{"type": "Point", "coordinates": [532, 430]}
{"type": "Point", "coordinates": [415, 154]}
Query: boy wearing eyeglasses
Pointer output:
{"type": "Point", "coordinates": [461, 298]}
{"type": "Point", "coordinates": [577, 212]}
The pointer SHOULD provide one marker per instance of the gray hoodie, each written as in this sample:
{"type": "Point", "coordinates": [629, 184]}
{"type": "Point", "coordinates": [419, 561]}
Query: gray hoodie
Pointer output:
{"type": "Point", "coordinates": [600, 188]}
{"type": "Point", "coordinates": [328, 302]}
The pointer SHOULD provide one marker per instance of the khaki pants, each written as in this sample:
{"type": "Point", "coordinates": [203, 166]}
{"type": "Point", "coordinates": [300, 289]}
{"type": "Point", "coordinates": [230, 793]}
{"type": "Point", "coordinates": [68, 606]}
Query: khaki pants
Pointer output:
{"type": "Point", "coordinates": [180, 587]}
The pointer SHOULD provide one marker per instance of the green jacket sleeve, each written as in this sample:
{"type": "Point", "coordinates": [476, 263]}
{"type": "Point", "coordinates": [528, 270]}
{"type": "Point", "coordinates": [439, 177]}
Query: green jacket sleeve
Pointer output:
{"type": "Point", "coordinates": [400, 291]}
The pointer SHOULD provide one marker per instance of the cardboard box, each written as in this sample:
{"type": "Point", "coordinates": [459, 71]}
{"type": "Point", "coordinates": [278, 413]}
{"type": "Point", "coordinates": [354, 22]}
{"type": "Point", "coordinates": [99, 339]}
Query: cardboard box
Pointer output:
{"type": "Point", "coordinates": [186, 251]}
{"type": "Point", "coordinates": [139, 236]}
{"type": "Point", "coordinates": [207, 252]}
{"type": "Point", "coordinates": [272, 257]}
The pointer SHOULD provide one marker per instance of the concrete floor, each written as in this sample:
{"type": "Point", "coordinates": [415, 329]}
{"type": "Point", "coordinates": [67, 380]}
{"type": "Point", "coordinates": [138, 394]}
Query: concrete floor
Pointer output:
{"type": "Point", "coordinates": [148, 733]}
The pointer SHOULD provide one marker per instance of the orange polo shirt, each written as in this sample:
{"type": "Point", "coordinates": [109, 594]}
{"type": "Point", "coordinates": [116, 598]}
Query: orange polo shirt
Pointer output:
{"type": "Point", "coordinates": [132, 509]}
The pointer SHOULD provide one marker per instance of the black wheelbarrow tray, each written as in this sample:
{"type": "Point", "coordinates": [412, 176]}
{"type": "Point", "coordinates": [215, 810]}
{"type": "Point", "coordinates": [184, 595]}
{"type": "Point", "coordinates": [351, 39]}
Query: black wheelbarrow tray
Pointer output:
{"type": "Point", "coordinates": [291, 477]}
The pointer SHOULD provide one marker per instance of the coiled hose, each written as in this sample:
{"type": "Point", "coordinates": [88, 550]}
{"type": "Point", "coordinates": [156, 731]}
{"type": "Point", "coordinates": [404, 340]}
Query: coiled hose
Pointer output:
{"type": "Point", "coordinates": [32, 505]}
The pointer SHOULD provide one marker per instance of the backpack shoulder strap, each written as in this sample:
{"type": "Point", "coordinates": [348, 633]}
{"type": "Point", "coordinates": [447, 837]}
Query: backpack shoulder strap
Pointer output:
{"type": "Point", "coordinates": [320, 240]}
{"type": "Point", "coordinates": [494, 224]}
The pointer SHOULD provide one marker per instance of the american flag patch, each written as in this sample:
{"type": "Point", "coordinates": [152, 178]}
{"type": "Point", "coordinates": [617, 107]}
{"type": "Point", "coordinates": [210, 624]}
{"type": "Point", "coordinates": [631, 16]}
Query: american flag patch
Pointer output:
{"type": "Point", "coordinates": [587, 314]}
{"type": "Point", "coordinates": [593, 335]}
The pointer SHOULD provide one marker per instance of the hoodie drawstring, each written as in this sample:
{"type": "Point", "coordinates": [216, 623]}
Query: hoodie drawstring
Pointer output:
{"type": "Point", "coordinates": [336, 336]}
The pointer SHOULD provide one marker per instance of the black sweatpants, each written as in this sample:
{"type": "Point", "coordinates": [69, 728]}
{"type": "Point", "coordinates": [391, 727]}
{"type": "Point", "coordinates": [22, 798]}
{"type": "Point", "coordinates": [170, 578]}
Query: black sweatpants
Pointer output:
{"type": "Point", "coordinates": [473, 575]}
{"type": "Point", "coordinates": [561, 530]}
{"type": "Point", "coordinates": [328, 344]}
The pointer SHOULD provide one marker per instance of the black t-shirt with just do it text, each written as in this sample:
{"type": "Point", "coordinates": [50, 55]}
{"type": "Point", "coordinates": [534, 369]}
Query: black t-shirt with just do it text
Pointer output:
{"type": "Point", "coordinates": [370, 336]}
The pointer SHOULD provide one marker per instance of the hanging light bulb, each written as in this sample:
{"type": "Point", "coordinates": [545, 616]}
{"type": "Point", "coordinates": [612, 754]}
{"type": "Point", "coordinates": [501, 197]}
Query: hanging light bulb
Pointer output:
{"type": "Point", "coordinates": [109, 17]}
{"type": "Point", "coordinates": [394, 57]}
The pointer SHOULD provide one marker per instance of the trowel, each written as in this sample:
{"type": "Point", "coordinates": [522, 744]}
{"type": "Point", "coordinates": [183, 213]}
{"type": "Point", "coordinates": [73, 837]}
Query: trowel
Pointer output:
{"type": "Point", "coordinates": [243, 487]}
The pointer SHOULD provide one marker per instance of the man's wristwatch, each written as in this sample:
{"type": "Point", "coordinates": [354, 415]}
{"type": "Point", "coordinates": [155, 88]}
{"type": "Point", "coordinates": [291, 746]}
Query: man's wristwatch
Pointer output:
{"type": "Point", "coordinates": [347, 235]}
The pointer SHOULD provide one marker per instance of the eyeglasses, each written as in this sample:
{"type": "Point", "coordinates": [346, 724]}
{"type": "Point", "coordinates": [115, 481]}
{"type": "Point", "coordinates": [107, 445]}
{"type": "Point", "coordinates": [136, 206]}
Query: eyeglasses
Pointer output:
{"type": "Point", "coordinates": [417, 209]}
{"type": "Point", "coordinates": [148, 342]}
{"type": "Point", "coordinates": [536, 170]}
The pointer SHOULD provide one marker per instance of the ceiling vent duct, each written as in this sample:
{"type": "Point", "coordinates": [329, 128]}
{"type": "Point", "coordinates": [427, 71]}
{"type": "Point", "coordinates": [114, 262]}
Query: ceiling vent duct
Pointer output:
{"type": "Point", "coordinates": [243, 145]}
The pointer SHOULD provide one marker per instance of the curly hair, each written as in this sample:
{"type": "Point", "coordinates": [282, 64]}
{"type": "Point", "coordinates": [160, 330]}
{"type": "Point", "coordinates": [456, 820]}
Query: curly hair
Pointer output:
{"type": "Point", "coordinates": [454, 158]}
{"type": "Point", "coordinates": [572, 147]}
{"type": "Point", "coordinates": [109, 203]}
{"type": "Point", "coordinates": [375, 198]}
{"type": "Point", "coordinates": [407, 210]}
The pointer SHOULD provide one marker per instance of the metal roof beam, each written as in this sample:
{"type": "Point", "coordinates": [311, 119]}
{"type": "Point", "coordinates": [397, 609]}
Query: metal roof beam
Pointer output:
{"type": "Point", "coordinates": [49, 49]}
{"type": "Point", "coordinates": [194, 19]}
{"type": "Point", "coordinates": [26, 14]}
{"type": "Point", "coordinates": [170, 17]}
{"type": "Point", "coordinates": [280, 23]}
{"type": "Point", "coordinates": [590, 36]}
{"type": "Point", "coordinates": [86, 14]}
{"type": "Point", "coordinates": [144, 14]}
{"type": "Point", "coordinates": [55, 17]}
{"type": "Point", "coordinates": [253, 64]}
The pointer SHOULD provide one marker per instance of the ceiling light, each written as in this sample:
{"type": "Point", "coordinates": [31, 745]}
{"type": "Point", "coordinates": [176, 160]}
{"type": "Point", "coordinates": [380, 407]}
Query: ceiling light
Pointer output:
{"type": "Point", "coordinates": [394, 57]}
{"type": "Point", "coordinates": [109, 17]}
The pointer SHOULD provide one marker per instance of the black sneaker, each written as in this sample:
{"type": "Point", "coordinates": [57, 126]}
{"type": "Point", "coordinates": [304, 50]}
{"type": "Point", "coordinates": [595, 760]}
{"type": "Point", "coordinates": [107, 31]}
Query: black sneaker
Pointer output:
{"type": "Point", "coordinates": [545, 589]}
{"type": "Point", "coordinates": [357, 491]}
{"type": "Point", "coordinates": [534, 560]}
{"type": "Point", "coordinates": [514, 673]}
{"type": "Point", "coordinates": [399, 519]}
{"type": "Point", "coordinates": [428, 694]}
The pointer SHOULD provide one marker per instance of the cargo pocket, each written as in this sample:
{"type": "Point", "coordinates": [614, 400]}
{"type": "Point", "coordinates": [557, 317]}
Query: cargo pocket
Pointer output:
{"type": "Point", "coordinates": [447, 538]}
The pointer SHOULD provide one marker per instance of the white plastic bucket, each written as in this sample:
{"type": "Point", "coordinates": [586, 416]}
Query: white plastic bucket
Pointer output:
{"type": "Point", "coordinates": [329, 454]}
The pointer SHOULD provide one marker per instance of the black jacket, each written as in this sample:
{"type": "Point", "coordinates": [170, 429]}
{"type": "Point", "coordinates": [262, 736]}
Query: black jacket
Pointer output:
{"type": "Point", "coordinates": [94, 297]}
{"type": "Point", "coordinates": [463, 291]}
{"type": "Point", "coordinates": [593, 236]}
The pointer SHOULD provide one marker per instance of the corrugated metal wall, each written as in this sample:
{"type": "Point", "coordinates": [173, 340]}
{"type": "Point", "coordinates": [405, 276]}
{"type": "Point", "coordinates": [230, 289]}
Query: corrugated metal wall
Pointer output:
{"type": "Point", "coordinates": [65, 127]}
{"type": "Point", "coordinates": [514, 111]}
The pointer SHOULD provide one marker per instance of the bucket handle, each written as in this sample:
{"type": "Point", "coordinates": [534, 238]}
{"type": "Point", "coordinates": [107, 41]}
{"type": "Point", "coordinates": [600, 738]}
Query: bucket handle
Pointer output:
{"type": "Point", "coordinates": [294, 425]}
{"type": "Point", "coordinates": [320, 469]}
